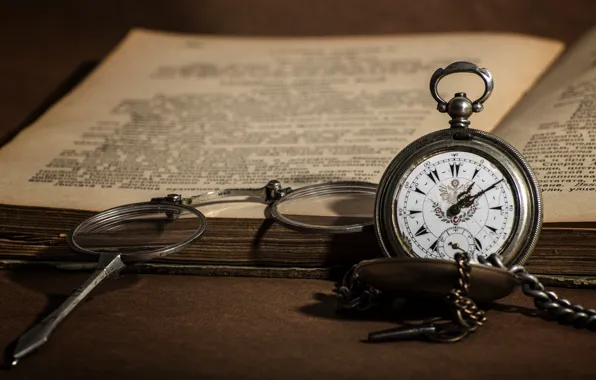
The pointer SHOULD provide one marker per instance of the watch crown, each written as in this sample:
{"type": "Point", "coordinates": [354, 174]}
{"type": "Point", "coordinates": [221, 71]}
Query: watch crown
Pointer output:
{"type": "Point", "coordinates": [460, 108]}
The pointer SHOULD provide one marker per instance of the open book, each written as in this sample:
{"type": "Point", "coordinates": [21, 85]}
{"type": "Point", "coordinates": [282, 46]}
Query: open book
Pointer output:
{"type": "Point", "coordinates": [170, 113]}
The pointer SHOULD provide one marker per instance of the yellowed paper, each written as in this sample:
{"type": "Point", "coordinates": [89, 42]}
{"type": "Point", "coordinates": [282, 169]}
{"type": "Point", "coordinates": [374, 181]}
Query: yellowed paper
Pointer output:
{"type": "Point", "coordinates": [555, 129]}
{"type": "Point", "coordinates": [169, 113]}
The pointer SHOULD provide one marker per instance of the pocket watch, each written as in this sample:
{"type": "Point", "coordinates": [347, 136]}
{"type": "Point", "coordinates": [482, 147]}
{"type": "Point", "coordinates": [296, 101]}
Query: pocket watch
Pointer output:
{"type": "Point", "coordinates": [459, 189]}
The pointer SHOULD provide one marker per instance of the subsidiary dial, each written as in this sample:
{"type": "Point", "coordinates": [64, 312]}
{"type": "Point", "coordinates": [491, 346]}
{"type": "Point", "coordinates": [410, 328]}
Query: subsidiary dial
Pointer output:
{"type": "Point", "coordinates": [455, 239]}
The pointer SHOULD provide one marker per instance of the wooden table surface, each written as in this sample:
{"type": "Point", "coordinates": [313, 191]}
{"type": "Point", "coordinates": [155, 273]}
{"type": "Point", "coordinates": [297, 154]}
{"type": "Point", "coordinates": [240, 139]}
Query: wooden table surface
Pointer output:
{"type": "Point", "coordinates": [193, 327]}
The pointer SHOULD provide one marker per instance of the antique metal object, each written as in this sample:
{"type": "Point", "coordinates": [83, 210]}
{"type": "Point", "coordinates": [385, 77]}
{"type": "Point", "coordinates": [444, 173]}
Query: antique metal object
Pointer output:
{"type": "Point", "coordinates": [142, 231]}
{"type": "Point", "coordinates": [457, 212]}
{"type": "Point", "coordinates": [365, 285]}
{"type": "Point", "coordinates": [287, 206]}
{"type": "Point", "coordinates": [459, 185]}
{"type": "Point", "coordinates": [362, 288]}
{"type": "Point", "coordinates": [119, 236]}
{"type": "Point", "coordinates": [416, 277]}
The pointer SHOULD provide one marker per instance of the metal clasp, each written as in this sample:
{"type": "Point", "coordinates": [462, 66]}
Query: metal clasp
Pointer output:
{"type": "Point", "coordinates": [170, 198]}
{"type": "Point", "coordinates": [274, 191]}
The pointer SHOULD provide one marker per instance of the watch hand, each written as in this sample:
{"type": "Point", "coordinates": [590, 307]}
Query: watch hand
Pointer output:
{"type": "Point", "coordinates": [468, 200]}
{"type": "Point", "coordinates": [455, 208]}
{"type": "Point", "coordinates": [466, 192]}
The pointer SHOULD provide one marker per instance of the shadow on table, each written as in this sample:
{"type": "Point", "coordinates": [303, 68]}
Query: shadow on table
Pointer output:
{"type": "Point", "coordinates": [399, 310]}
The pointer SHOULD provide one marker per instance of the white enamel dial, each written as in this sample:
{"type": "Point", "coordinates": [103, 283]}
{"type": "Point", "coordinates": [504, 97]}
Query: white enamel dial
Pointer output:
{"type": "Point", "coordinates": [454, 199]}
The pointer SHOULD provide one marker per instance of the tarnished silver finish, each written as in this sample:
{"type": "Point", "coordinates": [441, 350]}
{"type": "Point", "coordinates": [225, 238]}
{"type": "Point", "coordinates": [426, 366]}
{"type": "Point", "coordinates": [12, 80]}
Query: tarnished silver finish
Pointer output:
{"type": "Point", "coordinates": [425, 331]}
{"type": "Point", "coordinates": [548, 302]}
{"type": "Point", "coordinates": [525, 235]}
{"type": "Point", "coordinates": [320, 190]}
{"type": "Point", "coordinates": [114, 216]}
{"type": "Point", "coordinates": [358, 295]}
{"type": "Point", "coordinates": [173, 207]}
{"type": "Point", "coordinates": [458, 109]}
{"type": "Point", "coordinates": [466, 312]}
{"type": "Point", "coordinates": [271, 192]}
{"type": "Point", "coordinates": [174, 198]}
{"type": "Point", "coordinates": [40, 333]}
{"type": "Point", "coordinates": [459, 138]}
{"type": "Point", "coordinates": [353, 294]}
{"type": "Point", "coordinates": [275, 195]}
{"type": "Point", "coordinates": [111, 260]}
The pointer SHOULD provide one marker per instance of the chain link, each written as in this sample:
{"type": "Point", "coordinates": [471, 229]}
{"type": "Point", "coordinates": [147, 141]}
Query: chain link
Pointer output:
{"type": "Point", "coordinates": [548, 302]}
{"type": "Point", "coordinates": [353, 294]}
{"type": "Point", "coordinates": [467, 314]}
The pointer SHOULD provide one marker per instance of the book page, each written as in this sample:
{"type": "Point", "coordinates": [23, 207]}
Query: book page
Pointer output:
{"type": "Point", "coordinates": [171, 113]}
{"type": "Point", "coordinates": [554, 127]}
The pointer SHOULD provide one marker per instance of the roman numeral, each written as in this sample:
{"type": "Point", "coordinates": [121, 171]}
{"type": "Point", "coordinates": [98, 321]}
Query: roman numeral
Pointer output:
{"type": "Point", "coordinates": [493, 229]}
{"type": "Point", "coordinates": [478, 244]}
{"type": "Point", "coordinates": [497, 208]}
{"type": "Point", "coordinates": [420, 191]}
{"type": "Point", "coordinates": [433, 175]}
{"type": "Point", "coordinates": [435, 246]}
{"type": "Point", "coordinates": [421, 231]}
{"type": "Point", "coordinates": [454, 169]}
{"type": "Point", "coordinates": [475, 172]}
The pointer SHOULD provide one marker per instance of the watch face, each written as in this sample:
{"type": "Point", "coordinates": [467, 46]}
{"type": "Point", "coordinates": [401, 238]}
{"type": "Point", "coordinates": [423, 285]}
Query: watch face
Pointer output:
{"type": "Point", "coordinates": [451, 201]}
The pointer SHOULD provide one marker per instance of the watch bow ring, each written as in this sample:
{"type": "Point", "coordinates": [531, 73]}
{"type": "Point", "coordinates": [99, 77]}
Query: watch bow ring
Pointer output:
{"type": "Point", "coordinates": [461, 67]}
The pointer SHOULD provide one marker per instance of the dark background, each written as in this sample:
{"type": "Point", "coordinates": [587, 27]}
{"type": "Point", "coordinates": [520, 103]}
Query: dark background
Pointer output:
{"type": "Point", "coordinates": [42, 42]}
{"type": "Point", "coordinates": [159, 326]}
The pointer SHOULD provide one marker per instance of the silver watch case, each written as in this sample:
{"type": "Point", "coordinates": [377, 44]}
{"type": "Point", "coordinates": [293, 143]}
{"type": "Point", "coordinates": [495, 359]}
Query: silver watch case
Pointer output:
{"type": "Point", "coordinates": [515, 169]}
